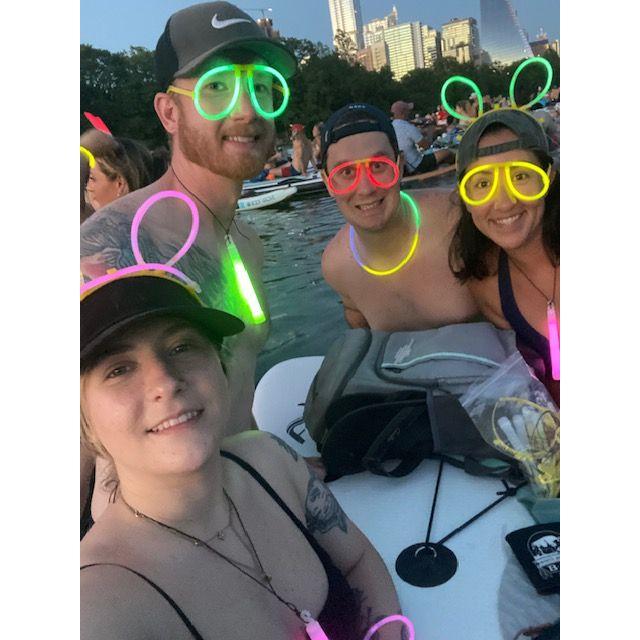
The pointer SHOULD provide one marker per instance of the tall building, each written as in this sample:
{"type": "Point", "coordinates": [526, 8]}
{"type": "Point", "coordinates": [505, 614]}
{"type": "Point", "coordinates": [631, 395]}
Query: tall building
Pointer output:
{"type": "Point", "coordinates": [375, 56]}
{"type": "Point", "coordinates": [404, 44]}
{"type": "Point", "coordinates": [377, 25]}
{"type": "Point", "coordinates": [502, 36]}
{"type": "Point", "coordinates": [461, 40]}
{"type": "Point", "coordinates": [431, 45]}
{"type": "Point", "coordinates": [346, 16]}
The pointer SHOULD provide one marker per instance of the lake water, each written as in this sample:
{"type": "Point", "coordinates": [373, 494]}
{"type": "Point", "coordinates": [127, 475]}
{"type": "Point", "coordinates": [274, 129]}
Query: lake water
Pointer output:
{"type": "Point", "coordinates": [306, 315]}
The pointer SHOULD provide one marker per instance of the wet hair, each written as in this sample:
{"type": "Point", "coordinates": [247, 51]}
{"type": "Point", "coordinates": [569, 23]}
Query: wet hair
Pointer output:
{"type": "Point", "coordinates": [470, 249]}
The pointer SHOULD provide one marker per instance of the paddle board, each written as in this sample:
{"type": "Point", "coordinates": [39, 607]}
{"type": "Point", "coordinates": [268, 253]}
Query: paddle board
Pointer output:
{"type": "Point", "coordinates": [394, 514]}
{"type": "Point", "coordinates": [262, 200]}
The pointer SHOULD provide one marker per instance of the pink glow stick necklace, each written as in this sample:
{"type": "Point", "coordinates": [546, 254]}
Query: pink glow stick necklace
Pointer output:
{"type": "Point", "coordinates": [552, 322]}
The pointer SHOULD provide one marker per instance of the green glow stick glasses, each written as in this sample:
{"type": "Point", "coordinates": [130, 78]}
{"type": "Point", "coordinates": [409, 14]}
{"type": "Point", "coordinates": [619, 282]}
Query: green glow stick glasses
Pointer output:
{"type": "Point", "coordinates": [217, 92]}
{"type": "Point", "coordinates": [512, 87]}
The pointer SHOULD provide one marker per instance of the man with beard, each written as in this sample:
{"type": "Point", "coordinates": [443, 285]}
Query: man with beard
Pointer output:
{"type": "Point", "coordinates": [389, 264]}
{"type": "Point", "coordinates": [215, 68]}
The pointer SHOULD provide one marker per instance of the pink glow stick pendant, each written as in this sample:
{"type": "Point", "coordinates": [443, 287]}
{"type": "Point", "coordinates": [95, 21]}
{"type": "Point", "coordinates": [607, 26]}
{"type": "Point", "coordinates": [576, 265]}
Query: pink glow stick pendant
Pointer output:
{"type": "Point", "coordinates": [312, 627]}
{"type": "Point", "coordinates": [554, 341]}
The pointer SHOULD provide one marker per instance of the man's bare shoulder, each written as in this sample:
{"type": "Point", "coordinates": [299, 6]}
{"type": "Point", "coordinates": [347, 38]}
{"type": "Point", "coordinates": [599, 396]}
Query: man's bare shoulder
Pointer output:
{"type": "Point", "coordinates": [439, 205]}
{"type": "Point", "coordinates": [334, 257]}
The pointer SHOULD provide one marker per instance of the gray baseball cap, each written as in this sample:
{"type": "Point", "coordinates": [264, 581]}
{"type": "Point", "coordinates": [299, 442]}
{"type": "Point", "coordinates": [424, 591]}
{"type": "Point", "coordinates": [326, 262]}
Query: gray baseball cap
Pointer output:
{"type": "Point", "coordinates": [530, 134]}
{"type": "Point", "coordinates": [194, 34]}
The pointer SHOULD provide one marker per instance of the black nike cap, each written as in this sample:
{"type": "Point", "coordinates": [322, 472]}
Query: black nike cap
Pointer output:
{"type": "Point", "coordinates": [194, 34]}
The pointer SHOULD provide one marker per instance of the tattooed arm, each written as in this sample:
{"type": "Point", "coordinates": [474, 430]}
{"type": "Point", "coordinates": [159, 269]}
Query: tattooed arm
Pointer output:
{"type": "Point", "coordinates": [347, 546]}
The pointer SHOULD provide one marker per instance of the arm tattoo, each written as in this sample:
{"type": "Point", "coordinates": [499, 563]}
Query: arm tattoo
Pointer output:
{"type": "Point", "coordinates": [366, 619]}
{"type": "Point", "coordinates": [106, 244]}
{"type": "Point", "coordinates": [322, 510]}
{"type": "Point", "coordinates": [290, 450]}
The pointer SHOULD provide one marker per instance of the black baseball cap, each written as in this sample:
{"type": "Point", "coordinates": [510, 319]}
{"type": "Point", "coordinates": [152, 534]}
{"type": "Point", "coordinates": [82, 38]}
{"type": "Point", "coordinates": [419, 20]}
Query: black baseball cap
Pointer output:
{"type": "Point", "coordinates": [109, 308]}
{"type": "Point", "coordinates": [530, 134]}
{"type": "Point", "coordinates": [355, 118]}
{"type": "Point", "coordinates": [194, 34]}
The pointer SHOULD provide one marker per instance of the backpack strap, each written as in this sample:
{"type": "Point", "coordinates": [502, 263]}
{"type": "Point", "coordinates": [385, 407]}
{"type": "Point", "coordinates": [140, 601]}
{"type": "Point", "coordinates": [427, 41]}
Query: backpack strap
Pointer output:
{"type": "Point", "coordinates": [406, 418]}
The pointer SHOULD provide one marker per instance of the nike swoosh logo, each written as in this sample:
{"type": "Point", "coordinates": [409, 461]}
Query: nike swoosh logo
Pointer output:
{"type": "Point", "coordinates": [221, 24]}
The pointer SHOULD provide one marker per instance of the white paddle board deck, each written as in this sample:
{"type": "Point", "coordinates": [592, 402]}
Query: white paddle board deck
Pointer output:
{"type": "Point", "coordinates": [262, 200]}
{"type": "Point", "coordinates": [394, 514]}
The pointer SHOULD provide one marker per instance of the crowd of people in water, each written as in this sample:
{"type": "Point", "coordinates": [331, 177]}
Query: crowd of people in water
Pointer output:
{"type": "Point", "coordinates": [185, 504]}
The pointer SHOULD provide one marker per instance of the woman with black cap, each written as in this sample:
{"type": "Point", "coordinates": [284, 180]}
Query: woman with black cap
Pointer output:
{"type": "Point", "coordinates": [204, 538]}
{"type": "Point", "coordinates": [507, 243]}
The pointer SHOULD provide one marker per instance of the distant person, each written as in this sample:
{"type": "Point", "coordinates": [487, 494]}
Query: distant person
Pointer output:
{"type": "Point", "coordinates": [85, 208]}
{"type": "Point", "coordinates": [389, 262]}
{"type": "Point", "coordinates": [119, 169]}
{"type": "Point", "coordinates": [410, 138]}
{"type": "Point", "coordinates": [302, 155]}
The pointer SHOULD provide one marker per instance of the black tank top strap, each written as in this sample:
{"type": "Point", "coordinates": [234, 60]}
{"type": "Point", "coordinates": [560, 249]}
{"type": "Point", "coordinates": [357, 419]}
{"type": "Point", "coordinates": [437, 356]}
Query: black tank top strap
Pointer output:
{"type": "Point", "coordinates": [340, 615]}
{"type": "Point", "coordinates": [322, 554]}
{"type": "Point", "coordinates": [525, 332]}
{"type": "Point", "coordinates": [183, 616]}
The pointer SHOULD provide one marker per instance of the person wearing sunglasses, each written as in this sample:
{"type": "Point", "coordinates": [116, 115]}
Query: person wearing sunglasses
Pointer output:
{"type": "Point", "coordinates": [208, 536]}
{"type": "Point", "coordinates": [222, 84]}
{"type": "Point", "coordinates": [507, 244]}
{"type": "Point", "coordinates": [389, 262]}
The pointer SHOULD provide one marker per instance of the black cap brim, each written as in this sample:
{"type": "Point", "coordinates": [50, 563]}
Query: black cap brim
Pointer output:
{"type": "Point", "coordinates": [116, 305]}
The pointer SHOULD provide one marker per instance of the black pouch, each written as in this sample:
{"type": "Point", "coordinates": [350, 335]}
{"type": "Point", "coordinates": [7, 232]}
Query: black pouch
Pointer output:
{"type": "Point", "coordinates": [537, 549]}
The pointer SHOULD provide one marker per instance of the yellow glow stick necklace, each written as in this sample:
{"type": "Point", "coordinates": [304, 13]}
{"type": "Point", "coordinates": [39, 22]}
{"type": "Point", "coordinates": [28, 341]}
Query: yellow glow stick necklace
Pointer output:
{"type": "Point", "coordinates": [412, 249]}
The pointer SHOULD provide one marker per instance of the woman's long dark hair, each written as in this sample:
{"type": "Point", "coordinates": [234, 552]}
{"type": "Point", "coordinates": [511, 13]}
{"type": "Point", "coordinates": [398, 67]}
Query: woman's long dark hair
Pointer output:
{"type": "Point", "coordinates": [470, 249]}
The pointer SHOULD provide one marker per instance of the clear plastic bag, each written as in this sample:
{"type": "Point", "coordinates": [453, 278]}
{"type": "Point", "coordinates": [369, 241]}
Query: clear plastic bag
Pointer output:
{"type": "Point", "coordinates": [514, 413]}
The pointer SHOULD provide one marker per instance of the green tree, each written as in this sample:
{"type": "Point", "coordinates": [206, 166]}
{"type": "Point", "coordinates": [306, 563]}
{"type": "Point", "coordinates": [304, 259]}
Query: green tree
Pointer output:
{"type": "Point", "coordinates": [119, 87]}
{"type": "Point", "coordinates": [345, 47]}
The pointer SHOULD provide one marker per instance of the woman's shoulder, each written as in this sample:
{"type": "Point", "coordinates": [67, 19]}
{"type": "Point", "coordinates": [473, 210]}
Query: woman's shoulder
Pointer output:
{"type": "Point", "coordinates": [282, 467]}
{"type": "Point", "coordinates": [262, 450]}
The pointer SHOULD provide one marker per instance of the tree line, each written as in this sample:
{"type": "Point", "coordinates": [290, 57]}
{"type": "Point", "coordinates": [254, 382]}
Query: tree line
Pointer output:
{"type": "Point", "coordinates": [119, 87]}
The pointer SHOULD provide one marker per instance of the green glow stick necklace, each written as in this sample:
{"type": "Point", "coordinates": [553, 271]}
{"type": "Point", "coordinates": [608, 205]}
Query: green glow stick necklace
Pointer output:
{"type": "Point", "coordinates": [247, 290]}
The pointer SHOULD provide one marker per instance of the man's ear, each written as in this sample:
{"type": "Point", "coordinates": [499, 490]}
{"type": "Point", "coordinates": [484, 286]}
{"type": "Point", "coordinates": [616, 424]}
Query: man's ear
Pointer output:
{"type": "Point", "coordinates": [401, 164]}
{"type": "Point", "coordinates": [323, 175]}
{"type": "Point", "coordinates": [168, 112]}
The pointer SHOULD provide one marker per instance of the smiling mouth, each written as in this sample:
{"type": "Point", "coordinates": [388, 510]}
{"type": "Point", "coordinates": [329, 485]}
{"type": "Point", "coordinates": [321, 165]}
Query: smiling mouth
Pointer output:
{"type": "Point", "coordinates": [241, 139]}
{"type": "Point", "coordinates": [365, 206]}
{"type": "Point", "coordinates": [505, 222]}
{"type": "Point", "coordinates": [175, 422]}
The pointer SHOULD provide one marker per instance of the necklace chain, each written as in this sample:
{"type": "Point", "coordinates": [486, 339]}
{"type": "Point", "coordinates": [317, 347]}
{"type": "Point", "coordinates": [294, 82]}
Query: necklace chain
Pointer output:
{"type": "Point", "coordinates": [551, 300]}
{"type": "Point", "coordinates": [204, 204]}
{"type": "Point", "coordinates": [265, 583]}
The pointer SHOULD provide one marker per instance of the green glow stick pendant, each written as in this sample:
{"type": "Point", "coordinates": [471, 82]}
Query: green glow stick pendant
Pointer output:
{"type": "Point", "coordinates": [244, 282]}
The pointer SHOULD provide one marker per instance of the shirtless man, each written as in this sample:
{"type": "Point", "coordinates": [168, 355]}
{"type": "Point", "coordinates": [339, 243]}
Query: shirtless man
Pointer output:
{"type": "Point", "coordinates": [302, 155]}
{"type": "Point", "coordinates": [209, 160]}
{"type": "Point", "coordinates": [422, 293]}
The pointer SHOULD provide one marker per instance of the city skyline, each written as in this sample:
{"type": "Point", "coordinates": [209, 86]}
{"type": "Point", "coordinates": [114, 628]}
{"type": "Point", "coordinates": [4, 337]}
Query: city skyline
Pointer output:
{"type": "Point", "coordinates": [119, 24]}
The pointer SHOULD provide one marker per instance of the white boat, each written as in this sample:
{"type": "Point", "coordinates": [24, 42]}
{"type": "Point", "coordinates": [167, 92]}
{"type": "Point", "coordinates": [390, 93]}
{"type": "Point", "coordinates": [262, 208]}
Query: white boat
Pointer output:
{"type": "Point", "coordinates": [488, 597]}
{"type": "Point", "coordinates": [267, 199]}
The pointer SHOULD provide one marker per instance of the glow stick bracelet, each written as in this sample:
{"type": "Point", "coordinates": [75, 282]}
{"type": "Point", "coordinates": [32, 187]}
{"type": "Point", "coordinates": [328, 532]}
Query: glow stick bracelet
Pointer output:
{"type": "Point", "coordinates": [554, 340]}
{"type": "Point", "coordinates": [244, 282]}
{"type": "Point", "coordinates": [397, 617]}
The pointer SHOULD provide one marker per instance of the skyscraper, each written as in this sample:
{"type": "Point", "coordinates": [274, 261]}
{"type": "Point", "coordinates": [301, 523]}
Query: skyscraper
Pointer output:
{"type": "Point", "coordinates": [502, 36]}
{"type": "Point", "coordinates": [460, 40]}
{"type": "Point", "coordinates": [346, 16]}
